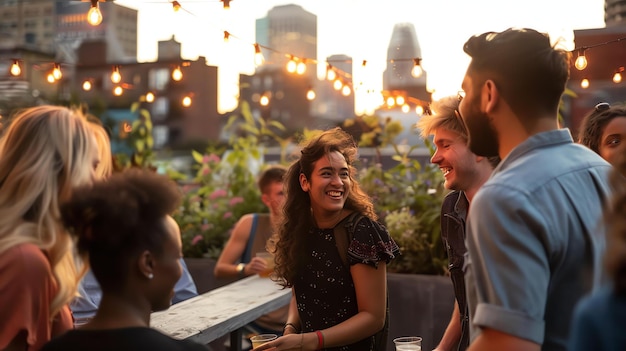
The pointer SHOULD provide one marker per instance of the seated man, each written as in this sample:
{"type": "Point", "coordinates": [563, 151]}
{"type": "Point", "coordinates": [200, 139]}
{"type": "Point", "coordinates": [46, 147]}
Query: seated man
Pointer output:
{"type": "Point", "coordinates": [249, 237]}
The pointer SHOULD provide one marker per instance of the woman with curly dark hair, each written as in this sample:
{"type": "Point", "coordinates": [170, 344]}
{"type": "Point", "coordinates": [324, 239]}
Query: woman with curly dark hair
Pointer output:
{"type": "Point", "coordinates": [603, 130]}
{"type": "Point", "coordinates": [331, 251]}
{"type": "Point", "coordinates": [599, 319]}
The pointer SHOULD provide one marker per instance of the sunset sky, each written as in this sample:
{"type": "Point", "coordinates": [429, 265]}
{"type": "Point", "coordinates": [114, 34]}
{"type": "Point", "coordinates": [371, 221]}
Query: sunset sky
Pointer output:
{"type": "Point", "coordinates": [358, 28]}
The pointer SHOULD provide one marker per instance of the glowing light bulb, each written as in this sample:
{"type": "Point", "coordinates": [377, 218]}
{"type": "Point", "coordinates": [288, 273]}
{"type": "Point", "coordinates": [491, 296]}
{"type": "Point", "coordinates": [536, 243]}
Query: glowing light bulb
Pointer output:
{"type": "Point", "coordinates": [56, 71]}
{"type": "Point", "coordinates": [118, 91]}
{"type": "Point", "coordinates": [187, 101]}
{"type": "Point", "coordinates": [310, 94]}
{"type": "Point", "coordinates": [584, 83]}
{"type": "Point", "coordinates": [291, 65]}
{"type": "Point", "coordinates": [345, 91]}
{"type": "Point", "coordinates": [226, 4]}
{"type": "Point", "coordinates": [617, 77]}
{"type": "Point", "coordinates": [116, 77]}
{"type": "Point", "coordinates": [337, 84]}
{"type": "Point", "coordinates": [94, 16]}
{"type": "Point", "coordinates": [175, 6]}
{"type": "Point", "coordinates": [400, 100]}
{"type": "Point", "coordinates": [581, 62]}
{"type": "Point", "coordinates": [15, 68]}
{"type": "Point", "coordinates": [226, 36]}
{"type": "Point", "coordinates": [301, 68]}
{"type": "Point", "coordinates": [419, 110]}
{"type": "Point", "coordinates": [391, 102]}
{"type": "Point", "coordinates": [177, 74]}
{"type": "Point", "coordinates": [87, 85]}
{"type": "Point", "coordinates": [417, 70]}
{"type": "Point", "coordinates": [150, 97]}
{"type": "Point", "coordinates": [264, 101]}
{"type": "Point", "coordinates": [330, 74]}
{"type": "Point", "coordinates": [50, 78]}
{"type": "Point", "coordinates": [406, 108]}
{"type": "Point", "coordinates": [258, 55]}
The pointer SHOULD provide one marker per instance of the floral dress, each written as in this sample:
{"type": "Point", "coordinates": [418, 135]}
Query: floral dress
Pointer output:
{"type": "Point", "coordinates": [324, 289]}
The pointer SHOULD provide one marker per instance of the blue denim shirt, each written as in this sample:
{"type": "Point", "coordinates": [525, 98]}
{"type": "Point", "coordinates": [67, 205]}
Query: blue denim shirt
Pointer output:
{"type": "Point", "coordinates": [535, 239]}
{"type": "Point", "coordinates": [85, 306]}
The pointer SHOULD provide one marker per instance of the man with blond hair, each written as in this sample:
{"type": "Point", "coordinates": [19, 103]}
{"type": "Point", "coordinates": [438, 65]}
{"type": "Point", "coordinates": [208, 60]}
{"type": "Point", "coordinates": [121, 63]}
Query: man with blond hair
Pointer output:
{"type": "Point", "coordinates": [464, 173]}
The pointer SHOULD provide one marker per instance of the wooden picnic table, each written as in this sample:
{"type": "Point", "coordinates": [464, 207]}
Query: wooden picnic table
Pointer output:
{"type": "Point", "coordinates": [213, 314]}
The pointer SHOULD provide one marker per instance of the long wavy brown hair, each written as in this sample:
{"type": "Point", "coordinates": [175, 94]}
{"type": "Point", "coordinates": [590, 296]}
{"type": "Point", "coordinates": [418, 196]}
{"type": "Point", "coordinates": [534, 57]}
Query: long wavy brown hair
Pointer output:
{"type": "Point", "coordinates": [615, 217]}
{"type": "Point", "coordinates": [297, 221]}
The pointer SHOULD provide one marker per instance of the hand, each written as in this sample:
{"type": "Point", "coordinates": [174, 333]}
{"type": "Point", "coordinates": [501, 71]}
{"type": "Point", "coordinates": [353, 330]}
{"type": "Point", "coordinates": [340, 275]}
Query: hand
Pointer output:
{"type": "Point", "coordinates": [285, 342]}
{"type": "Point", "coordinates": [255, 266]}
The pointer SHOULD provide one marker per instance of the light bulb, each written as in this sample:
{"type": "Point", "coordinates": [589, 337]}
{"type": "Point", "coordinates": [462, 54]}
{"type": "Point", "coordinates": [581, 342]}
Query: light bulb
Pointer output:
{"type": "Point", "coordinates": [345, 91]}
{"type": "Point", "coordinates": [94, 16]}
{"type": "Point", "coordinates": [330, 74]}
{"type": "Point", "coordinates": [116, 77]}
{"type": "Point", "coordinates": [226, 36]}
{"type": "Point", "coordinates": [391, 101]}
{"type": "Point", "coordinates": [581, 62]}
{"type": "Point", "coordinates": [310, 95]}
{"type": "Point", "coordinates": [400, 100]}
{"type": "Point", "coordinates": [406, 108]}
{"type": "Point", "coordinates": [337, 84]}
{"type": "Point", "coordinates": [226, 4]}
{"type": "Point", "coordinates": [175, 6]}
{"type": "Point", "coordinates": [419, 110]}
{"type": "Point", "coordinates": [258, 55]}
{"type": "Point", "coordinates": [177, 74]}
{"type": "Point", "coordinates": [301, 68]}
{"type": "Point", "coordinates": [584, 83]}
{"type": "Point", "coordinates": [118, 90]}
{"type": "Point", "coordinates": [50, 78]}
{"type": "Point", "coordinates": [291, 65]}
{"type": "Point", "coordinates": [150, 97]}
{"type": "Point", "coordinates": [617, 77]}
{"type": "Point", "coordinates": [86, 85]}
{"type": "Point", "coordinates": [15, 68]}
{"type": "Point", "coordinates": [264, 101]}
{"type": "Point", "coordinates": [417, 70]}
{"type": "Point", "coordinates": [56, 72]}
{"type": "Point", "coordinates": [187, 101]}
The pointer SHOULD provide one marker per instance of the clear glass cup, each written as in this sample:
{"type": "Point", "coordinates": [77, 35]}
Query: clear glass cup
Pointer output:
{"type": "Point", "coordinates": [408, 343]}
{"type": "Point", "coordinates": [269, 260]}
{"type": "Point", "coordinates": [261, 339]}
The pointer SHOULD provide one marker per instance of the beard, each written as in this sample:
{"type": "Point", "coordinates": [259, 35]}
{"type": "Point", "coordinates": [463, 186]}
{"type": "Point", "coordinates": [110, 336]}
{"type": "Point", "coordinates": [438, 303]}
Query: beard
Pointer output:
{"type": "Point", "coordinates": [483, 136]}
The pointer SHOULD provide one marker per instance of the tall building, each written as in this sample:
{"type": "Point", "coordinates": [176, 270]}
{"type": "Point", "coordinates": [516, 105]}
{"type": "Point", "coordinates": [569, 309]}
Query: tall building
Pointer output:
{"type": "Point", "coordinates": [28, 24]}
{"type": "Point", "coordinates": [614, 12]}
{"type": "Point", "coordinates": [288, 29]}
{"type": "Point", "coordinates": [403, 48]}
{"type": "Point", "coordinates": [330, 107]}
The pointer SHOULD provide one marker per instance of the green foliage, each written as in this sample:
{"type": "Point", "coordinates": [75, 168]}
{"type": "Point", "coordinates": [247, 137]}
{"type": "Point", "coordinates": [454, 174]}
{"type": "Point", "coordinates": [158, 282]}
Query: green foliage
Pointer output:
{"type": "Point", "coordinates": [408, 199]}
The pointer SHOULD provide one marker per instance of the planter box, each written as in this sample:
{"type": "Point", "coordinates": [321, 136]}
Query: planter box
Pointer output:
{"type": "Point", "coordinates": [419, 305]}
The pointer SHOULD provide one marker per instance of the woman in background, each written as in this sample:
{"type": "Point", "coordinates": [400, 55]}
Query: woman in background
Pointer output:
{"type": "Point", "coordinates": [603, 130]}
{"type": "Point", "coordinates": [134, 248]}
{"type": "Point", "coordinates": [339, 291]}
{"type": "Point", "coordinates": [45, 153]}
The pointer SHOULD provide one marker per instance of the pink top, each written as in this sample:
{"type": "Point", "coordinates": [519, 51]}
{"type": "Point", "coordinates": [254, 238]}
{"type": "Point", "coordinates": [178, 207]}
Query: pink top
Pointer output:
{"type": "Point", "coordinates": [27, 287]}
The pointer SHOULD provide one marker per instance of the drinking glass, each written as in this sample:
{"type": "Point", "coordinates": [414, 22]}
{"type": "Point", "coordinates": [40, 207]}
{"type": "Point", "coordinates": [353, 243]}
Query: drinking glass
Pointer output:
{"type": "Point", "coordinates": [261, 339]}
{"type": "Point", "coordinates": [408, 343]}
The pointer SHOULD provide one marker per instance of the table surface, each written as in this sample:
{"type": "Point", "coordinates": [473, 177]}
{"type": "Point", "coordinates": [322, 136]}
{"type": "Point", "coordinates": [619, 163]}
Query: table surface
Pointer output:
{"type": "Point", "coordinates": [218, 312]}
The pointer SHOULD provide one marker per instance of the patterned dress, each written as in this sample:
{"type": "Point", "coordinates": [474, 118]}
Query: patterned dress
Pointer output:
{"type": "Point", "coordinates": [324, 289]}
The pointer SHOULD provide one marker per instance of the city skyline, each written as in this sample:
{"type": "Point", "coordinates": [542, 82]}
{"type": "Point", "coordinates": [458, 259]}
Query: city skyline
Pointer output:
{"type": "Point", "coordinates": [357, 28]}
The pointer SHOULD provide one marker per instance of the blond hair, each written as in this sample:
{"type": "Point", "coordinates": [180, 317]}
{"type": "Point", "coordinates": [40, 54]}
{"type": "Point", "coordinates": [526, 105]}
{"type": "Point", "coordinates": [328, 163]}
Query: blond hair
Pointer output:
{"type": "Point", "coordinates": [105, 167]}
{"type": "Point", "coordinates": [443, 115]}
{"type": "Point", "coordinates": [44, 153]}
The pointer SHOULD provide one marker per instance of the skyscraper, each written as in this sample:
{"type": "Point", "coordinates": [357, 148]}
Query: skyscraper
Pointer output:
{"type": "Point", "coordinates": [288, 29]}
{"type": "Point", "coordinates": [614, 12]}
{"type": "Point", "coordinates": [403, 48]}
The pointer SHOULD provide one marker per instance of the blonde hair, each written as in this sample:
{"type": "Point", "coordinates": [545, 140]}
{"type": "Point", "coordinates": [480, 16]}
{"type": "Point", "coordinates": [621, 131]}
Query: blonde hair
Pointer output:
{"type": "Point", "coordinates": [443, 115]}
{"type": "Point", "coordinates": [44, 153]}
{"type": "Point", "coordinates": [105, 167]}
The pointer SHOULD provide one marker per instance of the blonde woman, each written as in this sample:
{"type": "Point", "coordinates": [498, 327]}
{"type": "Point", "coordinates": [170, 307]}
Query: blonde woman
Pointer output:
{"type": "Point", "coordinates": [45, 152]}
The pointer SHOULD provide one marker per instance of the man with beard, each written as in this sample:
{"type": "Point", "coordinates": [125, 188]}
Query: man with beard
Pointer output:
{"type": "Point", "coordinates": [534, 235]}
{"type": "Point", "coordinates": [464, 173]}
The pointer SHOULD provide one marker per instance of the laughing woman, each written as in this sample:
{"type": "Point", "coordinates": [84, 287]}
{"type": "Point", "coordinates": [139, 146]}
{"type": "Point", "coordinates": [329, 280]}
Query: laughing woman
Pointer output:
{"type": "Point", "coordinates": [332, 252]}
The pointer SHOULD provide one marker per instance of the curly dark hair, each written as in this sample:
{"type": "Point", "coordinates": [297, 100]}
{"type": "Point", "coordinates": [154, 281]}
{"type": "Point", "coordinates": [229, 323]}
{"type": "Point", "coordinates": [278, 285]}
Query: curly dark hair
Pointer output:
{"type": "Point", "coordinates": [297, 220]}
{"type": "Point", "coordinates": [529, 72]}
{"type": "Point", "coordinates": [119, 217]}
{"type": "Point", "coordinates": [594, 122]}
{"type": "Point", "coordinates": [615, 218]}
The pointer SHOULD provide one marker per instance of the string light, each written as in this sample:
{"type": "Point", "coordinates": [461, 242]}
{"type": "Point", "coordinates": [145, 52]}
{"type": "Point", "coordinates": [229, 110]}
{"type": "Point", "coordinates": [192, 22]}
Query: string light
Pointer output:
{"type": "Point", "coordinates": [16, 70]}
{"type": "Point", "coordinates": [310, 94]}
{"type": "Point", "coordinates": [226, 36]}
{"type": "Point", "coordinates": [345, 90]}
{"type": "Point", "coordinates": [258, 55]}
{"type": "Point", "coordinates": [265, 100]}
{"type": "Point", "coordinates": [118, 90]}
{"type": "Point", "coordinates": [291, 64]}
{"type": "Point", "coordinates": [176, 6]}
{"type": "Point", "coordinates": [364, 63]}
{"type": "Point", "coordinates": [301, 67]}
{"type": "Point", "coordinates": [617, 77]}
{"type": "Point", "coordinates": [94, 16]}
{"type": "Point", "coordinates": [417, 70]}
{"type": "Point", "coordinates": [584, 83]}
{"type": "Point", "coordinates": [87, 85]}
{"type": "Point", "coordinates": [226, 4]}
{"type": "Point", "coordinates": [177, 74]}
{"type": "Point", "coordinates": [187, 101]}
{"type": "Point", "coordinates": [150, 97]}
{"type": "Point", "coordinates": [50, 78]}
{"type": "Point", "coordinates": [116, 77]}
{"type": "Point", "coordinates": [581, 60]}
{"type": "Point", "coordinates": [56, 71]}
{"type": "Point", "coordinates": [419, 109]}
{"type": "Point", "coordinates": [330, 72]}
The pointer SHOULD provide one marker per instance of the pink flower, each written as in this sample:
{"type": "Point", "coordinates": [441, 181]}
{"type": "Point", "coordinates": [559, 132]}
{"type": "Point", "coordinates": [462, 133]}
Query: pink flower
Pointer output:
{"type": "Point", "coordinates": [236, 200]}
{"type": "Point", "coordinates": [206, 171]}
{"type": "Point", "coordinates": [217, 193]}
{"type": "Point", "coordinates": [196, 239]}
{"type": "Point", "coordinates": [205, 227]}
{"type": "Point", "coordinates": [227, 215]}
{"type": "Point", "coordinates": [205, 159]}
{"type": "Point", "coordinates": [214, 158]}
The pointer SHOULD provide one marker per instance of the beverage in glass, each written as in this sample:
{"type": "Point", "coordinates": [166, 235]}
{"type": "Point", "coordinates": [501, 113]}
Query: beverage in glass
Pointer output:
{"type": "Point", "coordinates": [261, 339]}
{"type": "Point", "coordinates": [408, 343]}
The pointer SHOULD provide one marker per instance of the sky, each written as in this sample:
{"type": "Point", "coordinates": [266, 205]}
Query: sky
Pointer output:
{"type": "Point", "coordinates": [357, 28]}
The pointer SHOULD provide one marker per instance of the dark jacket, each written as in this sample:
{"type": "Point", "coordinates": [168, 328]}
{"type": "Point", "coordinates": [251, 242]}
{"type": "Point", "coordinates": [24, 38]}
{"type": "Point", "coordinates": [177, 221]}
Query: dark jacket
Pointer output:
{"type": "Point", "coordinates": [453, 214]}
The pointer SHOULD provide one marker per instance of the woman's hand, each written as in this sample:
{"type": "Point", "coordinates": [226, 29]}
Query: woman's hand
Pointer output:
{"type": "Point", "coordinates": [306, 341]}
